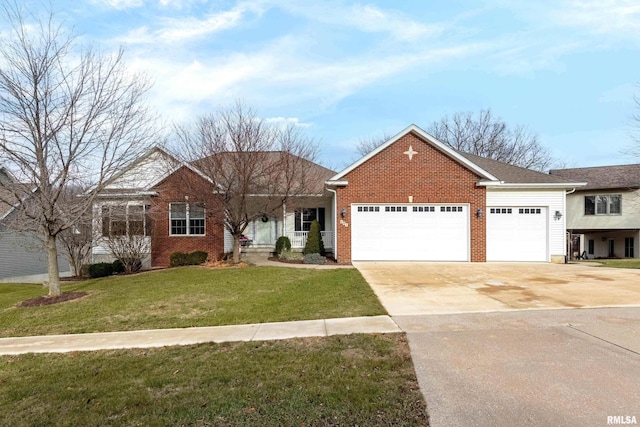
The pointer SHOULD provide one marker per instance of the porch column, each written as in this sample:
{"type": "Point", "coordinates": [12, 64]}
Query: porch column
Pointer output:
{"type": "Point", "coordinates": [284, 219]}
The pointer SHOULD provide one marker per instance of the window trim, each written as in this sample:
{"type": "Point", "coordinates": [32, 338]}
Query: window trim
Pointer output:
{"type": "Point", "coordinates": [188, 220]}
{"type": "Point", "coordinates": [598, 198]}
{"type": "Point", "coordinates": [146, 222]}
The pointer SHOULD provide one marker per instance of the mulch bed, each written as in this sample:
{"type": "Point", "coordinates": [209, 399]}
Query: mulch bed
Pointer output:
{"type": "Point", "coordinates": [328, 261]}
{"type": "Point", "coordinates": [46, 300]}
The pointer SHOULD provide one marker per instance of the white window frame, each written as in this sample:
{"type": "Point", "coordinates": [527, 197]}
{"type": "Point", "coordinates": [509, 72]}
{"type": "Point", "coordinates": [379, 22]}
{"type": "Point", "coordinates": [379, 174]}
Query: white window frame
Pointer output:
{"type": "Point", "coordinates": [146, 226]}
{"type": "Point", "coordinates": [188, 220]}
{"type": "Point", "coordinates": [608, 201]}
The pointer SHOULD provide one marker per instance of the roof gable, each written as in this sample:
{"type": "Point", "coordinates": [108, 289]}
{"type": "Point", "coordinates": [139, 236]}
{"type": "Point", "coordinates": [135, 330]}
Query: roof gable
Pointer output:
{"type": "Point", "coordinates": [443, 148]}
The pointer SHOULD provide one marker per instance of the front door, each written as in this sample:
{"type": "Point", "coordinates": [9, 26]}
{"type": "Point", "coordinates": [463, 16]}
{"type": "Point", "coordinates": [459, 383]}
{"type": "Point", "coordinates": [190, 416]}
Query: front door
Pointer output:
{"type": "Point", "coordinates": [264, 231]}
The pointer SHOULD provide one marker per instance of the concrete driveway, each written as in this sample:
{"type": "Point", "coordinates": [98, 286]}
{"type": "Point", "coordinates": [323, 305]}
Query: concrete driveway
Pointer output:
{"type": "Point", "coordinates": [533, 368]}
{"type": "Point", "coordinates": [416, 288]}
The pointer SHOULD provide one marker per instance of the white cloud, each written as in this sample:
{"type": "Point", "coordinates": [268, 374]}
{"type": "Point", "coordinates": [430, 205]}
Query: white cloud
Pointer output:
{"type": "Point", "coordinates": [178, 30]}
{"type": "Point", "coordinates": [287, 121]}
{"type": "Point", "coordinates": [620, 18]}
{"type": "Point", "coordinates": [121, 4]}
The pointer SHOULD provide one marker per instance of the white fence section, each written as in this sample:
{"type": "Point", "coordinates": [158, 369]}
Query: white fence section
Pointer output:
{"type": "Point", "coordinates": [299, 238]}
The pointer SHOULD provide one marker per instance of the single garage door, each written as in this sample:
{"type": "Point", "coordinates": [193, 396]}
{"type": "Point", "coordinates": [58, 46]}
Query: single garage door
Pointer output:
{"type": "Point", "coordinates": [517, 234]}
{"type": "Point", "coordinates": [410, 232]}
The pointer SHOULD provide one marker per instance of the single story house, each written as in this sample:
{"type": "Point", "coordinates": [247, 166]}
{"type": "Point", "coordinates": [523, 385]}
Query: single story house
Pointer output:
{"type": "Point", "coordinates": [412, 198]}
{"type": "Point", "coordinates": [603, 217]}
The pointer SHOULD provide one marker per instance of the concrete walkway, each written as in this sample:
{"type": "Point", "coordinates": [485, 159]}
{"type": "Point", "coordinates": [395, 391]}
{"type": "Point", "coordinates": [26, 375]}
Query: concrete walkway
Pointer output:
{"type": "Point", "coordinates": [189, 336]}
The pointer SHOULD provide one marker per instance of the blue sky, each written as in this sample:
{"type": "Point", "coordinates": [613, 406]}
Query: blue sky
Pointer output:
{"type": "Point", "coordinates": [347, 70]}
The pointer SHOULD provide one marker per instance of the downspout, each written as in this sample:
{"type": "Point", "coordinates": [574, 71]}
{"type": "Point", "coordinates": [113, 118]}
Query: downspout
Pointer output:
{"type": "Point", "coordinates": [569, 233]}
{"type": "Point", "coordinates": [335, 223]}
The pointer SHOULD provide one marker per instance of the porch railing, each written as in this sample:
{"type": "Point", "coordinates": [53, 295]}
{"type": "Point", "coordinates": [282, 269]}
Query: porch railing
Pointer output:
{"type": "Point", "coordinates": [299, 239]}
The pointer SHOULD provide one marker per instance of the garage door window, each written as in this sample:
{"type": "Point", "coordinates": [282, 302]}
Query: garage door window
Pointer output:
{"type": "Point", "coordinates": [395, 208]}
{"type": "Point", "coordinates": [424, 209]}
{"type": "Point", "coordinates": [500, 210]}
{"type": "Point", "coordinates": [525, 211]}
{"type": "Point", "coordinates": [368, 208]}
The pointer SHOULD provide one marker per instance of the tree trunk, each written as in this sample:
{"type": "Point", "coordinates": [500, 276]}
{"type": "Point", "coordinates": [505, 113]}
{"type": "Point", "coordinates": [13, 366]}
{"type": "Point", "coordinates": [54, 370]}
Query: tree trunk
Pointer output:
{"type": "Point", "coordinates": [52, 262]}
{"type": "Point", "coordinates": [236, 249]}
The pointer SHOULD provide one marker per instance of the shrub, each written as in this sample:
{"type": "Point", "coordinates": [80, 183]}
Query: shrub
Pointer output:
{"type": "Point", "coordinates": [314, 243]}
{"type": "Point", "coordinates": [100, 269]}
{"type": "Point", "coordinates": [177, 259]}
{"type": "Point", "coordinates": [118, 266]}
{"type": "Point", "coordinates": [313, 259]}
{"type": "Point", "coordinates": [290, 256]}
{"type": "Point", "coordinates": [131, 264]}
{"type": "Point", "coordinates": [283, 244]}
{"type": "Point", "coordinates": [197, 257]}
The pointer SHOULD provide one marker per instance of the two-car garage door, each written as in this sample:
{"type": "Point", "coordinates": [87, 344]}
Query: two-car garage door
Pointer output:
{"type": "Point", "coordinates": [414, 232]}
{"type": "Point", "coordinates": [434, 232]}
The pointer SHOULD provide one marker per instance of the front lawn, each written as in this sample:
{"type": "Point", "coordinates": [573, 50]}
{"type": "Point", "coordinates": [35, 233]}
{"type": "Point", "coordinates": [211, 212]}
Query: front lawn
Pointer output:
{"type": "Point", "coordinates": [190, 296]}
{"type": "Point", "coordinates": [617, 263]}
{"type": "Point", "coordinates": [365, 380]}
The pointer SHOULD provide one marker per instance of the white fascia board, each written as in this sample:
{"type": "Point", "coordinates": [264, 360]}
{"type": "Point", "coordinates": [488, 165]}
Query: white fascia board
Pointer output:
{"type": "Point", "coordinates": [337, 183]}
{"type": "Point", "coordinates": [429, 139]}
{"type": "Point", "coordinates": [132, 194]}
{"type": "Point", "coordinates": [503, 184]}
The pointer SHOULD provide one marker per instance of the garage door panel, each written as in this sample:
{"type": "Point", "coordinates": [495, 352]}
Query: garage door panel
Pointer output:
{"type": "Point", "coordinates": [410, 232]}
{"type": "Point", "coordinates": [517, 234]}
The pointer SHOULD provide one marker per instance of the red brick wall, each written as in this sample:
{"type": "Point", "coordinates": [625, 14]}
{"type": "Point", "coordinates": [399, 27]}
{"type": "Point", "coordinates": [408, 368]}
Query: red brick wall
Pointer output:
{"type": "Point", "coordinates": [180, 185]}
{"type": "Point", "coordinates": [430, 177]}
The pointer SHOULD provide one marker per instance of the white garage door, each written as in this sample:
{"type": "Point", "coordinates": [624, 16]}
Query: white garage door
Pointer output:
{"type": "Point", "coordinates": [410, 232]}
{"type": "Point", "coordinates": [517, 234]}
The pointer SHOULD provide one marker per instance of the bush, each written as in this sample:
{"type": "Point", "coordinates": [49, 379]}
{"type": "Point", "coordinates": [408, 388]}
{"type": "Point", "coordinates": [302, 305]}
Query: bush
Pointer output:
{"type": "Point", "coordinates": [100, 269]}
{"type": "Point", "coordinates": [282, 244]}
{"type": "Point", "coordinates": [314, 243]}
{"type": "Point", "coordinates": [313, 259]}
{"type": "Point", "coordinates": [290, 256]}
{"type": "Point", "coordinates": [178, 259]}
{"type": "Point", "coordinates": [118, 266]}
{"type": "Point", "coordinates": [197, 257]}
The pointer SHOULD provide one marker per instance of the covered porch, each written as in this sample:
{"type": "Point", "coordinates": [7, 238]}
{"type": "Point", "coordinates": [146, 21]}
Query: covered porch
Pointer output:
{"type": "Point", "coordinates": [607, 243]}
{"type": "Point", "coordinates": [293, 222]}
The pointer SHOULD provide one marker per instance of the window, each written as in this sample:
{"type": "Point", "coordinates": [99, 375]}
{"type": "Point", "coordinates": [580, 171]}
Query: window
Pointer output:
{"type": "Point", "coordinates": [304, 217]}
{"type": "Point", "coordinates": [187, 219]}
{"type": "Point", "coordinates": [123, 220]}
{"type": "Point", "coordinates": [591, 246]}
{"type": "Point", "coordinates": [603, 204]}
{"type": "Point", "coordinates": [629, 247]}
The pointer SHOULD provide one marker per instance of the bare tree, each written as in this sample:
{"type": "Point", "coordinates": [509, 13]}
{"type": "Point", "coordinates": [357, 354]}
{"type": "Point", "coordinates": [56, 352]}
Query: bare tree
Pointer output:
{"type": "Point", "coordinates": [75, 243]}
{"type": "Point", "coordinates": [255, 166]}
{"type": "Point", "coordinates": [489, 136]}
{"type": "Point", "coordinates": [367, 145]}
{"type": "Point", "coordinates": [69, 117]}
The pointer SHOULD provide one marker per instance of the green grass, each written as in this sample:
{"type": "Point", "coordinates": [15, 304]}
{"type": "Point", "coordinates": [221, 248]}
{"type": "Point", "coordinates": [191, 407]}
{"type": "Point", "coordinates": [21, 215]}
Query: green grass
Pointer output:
{"type": "Point", "coordinates": [190, 296]}
{"type": "Point", "coordinates": [365, 380]}
{"type": "Point", "coordinates": [617, 263]}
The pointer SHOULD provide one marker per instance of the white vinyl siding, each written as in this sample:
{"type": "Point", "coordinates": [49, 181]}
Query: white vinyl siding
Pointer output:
{"type": "Point", "coordinates": [553, 200]}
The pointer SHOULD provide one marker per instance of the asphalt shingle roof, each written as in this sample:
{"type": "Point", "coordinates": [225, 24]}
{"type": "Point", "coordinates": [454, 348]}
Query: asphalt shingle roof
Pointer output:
{"type": "Point", "coordinates": [603, 177]}
{"type": "Point", "coordinates": [514, 174]}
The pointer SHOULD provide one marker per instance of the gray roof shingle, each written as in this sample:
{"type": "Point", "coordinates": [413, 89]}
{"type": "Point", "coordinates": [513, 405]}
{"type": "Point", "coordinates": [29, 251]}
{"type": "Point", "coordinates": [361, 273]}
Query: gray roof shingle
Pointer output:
{"type": "Point", "coordinates": [511, 174]}
{"type": "Point", "coordinates": [603, 177]}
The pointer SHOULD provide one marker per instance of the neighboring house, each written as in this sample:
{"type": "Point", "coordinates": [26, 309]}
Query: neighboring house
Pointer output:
{"type": "Point", "coordinates": [603, 217]}
{"type": "Point", "coordinates": [21, 252]}
{"type": "Point", "coordinates": [415, 198]}
{"type": "Point", "coordinates": [174, 205]}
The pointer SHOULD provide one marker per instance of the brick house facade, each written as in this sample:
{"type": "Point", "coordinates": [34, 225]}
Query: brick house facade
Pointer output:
{"type": "Point", "coordinates": [185, 186]}
{"type": "Point", "coordinates": [429, 177]}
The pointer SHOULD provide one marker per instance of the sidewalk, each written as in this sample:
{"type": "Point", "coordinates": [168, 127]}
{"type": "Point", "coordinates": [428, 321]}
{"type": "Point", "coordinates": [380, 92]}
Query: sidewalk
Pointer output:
{"type": "Point", "coordinates": [189, 336]}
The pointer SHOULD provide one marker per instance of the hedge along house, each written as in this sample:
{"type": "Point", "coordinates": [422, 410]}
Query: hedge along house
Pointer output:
{"type": "Point", "coordinates": [174, 206]}
{"type": "Point", "coordinates": [416, 199]}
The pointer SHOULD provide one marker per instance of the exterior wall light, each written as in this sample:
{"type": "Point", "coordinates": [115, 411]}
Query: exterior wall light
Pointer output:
{"type": "Point", "coordinates": [557, 215]}
{"type": "Point", "coordinates": [479, 213]}
{"type": "Point", "coordinates": [344, 212]}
